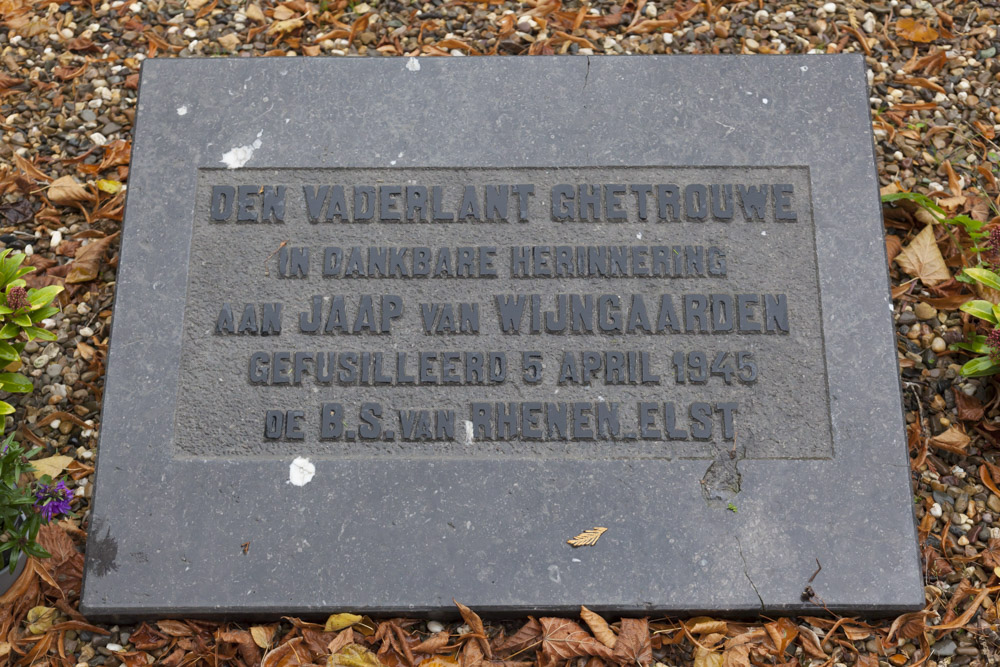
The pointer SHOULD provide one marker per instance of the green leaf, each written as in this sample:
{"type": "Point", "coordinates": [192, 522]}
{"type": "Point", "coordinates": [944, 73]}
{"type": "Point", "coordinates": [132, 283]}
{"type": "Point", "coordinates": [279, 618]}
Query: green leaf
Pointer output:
{"type": "Point", "coordinates": [42, 313]}
{"type": "Point", "coordinates": [9, 330]}
{"type": "Point", "coordinates": [975, 347]}
{"type": "Point", "coordinates": [979, 367]}
{"type": "Point", "coordinates": [6, 408]}
{"type": "Point", "coordinates": [15, 383]}
{"type": "Point", "coordinates": [984, 276]}
{"type": "Point", "coordinates": [38, 332]}
{"type": "Point", "coordinates": [22, 320]}
{"type": "Point", "coordinates": [41, 297]}
{"type": "Point", "coordinates": [971, 226]}
{"type": "Point", "coordinates": [915, 197]}
{"type": "Point", "coordinates": [9, 266]}
{"type": "Point", "coordinates": [981, 309]}
{"type": "Point", "coordinates": [8, 352]}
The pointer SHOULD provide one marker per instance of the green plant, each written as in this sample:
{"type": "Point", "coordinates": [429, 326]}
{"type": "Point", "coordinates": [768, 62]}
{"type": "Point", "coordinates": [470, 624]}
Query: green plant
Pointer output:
{"type": "Point", "coordinates": [732, 508]}
{"type": "Point", "coordinates": [25, 506]}
{"type": "Point", "coordinates": [21, 314]}
{"type": "Point", "coordinates": [988, 347]}
{"type": "Point", "coordinates": [986, 246]}
{"type": "Point", "coordinates": [972, 227]}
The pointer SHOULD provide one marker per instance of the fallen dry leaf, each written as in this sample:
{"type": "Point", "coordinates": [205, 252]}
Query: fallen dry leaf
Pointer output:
{"type": "Point", "coordinates": [563, 639]}
{"type": "Point", "coordinates": [40, 619]}
{"type": "Point", "coordinates": [922, 259]}
{"type": "Point", "coordinates": [633, 646]}
{"type": "Point", "coordinates": [338, 622]}
{"type": "Point", "coordinates": [915, 31]}
{"type": "Point", "coordinates": [51, 466]}
{"type": "Point", "coordinates": [587, 538]}
{"type": "Point", "coordinates": [892, 246]}
{"type": "Point", "coordinates": [353, 655]}
{"type": "Point", "coordinates": [703, 625]}
{"type": "Point", "coordinates": [602, 631]}
{"type": "Point", "coordinates": [952, 440]}
{"type": "Point", "coordinates": [263, 634]}
{"type": "Point", "coordinates": [65, 191]}
{"type": "Point", "coordinates": [433, 644]}
{"type": "Point", "coordinates": [89, 260]}
{"type": "Point", "coordinates": [529, 635]}
{"type": "Point", "coordinates": [473, 621]}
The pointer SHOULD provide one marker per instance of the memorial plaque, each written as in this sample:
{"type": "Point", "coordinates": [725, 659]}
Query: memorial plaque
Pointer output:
{"type": "Point", "coordinates": [390, 332]}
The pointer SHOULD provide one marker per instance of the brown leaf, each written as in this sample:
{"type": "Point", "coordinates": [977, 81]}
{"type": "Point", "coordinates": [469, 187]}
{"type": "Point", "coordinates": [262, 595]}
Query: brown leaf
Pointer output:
{"type": "Point", "coordinates": [65, 191]}
{"type": "Point", "coordinates": [922, 259]}
{"type": "Point", "coordinates": [87, 264]}
{"type": "Point", "coordinates": [353, 655]}
{"type": "Point", "coordinates": [782, 632]}
{"type": "Point", "coordinates": [293, 654]}
{"type": "Point", "coordinates": [248, 650]}
{"type": "Point", "coordinates": [471, 655]}
{"type": "Point", "coordinates": [563, 639]}
{"type": "Point", "coordinates": [969, 408]}
{"type": "Point", "coordinates": [633, 645]}
{"type": "Point", "coordinates": [706, 658]}
{"type": "Point", "coordinates": [910, 625]}
{"type": "Point", "coordinates": [433, 644]}
{"type": "Point", "coordinates": [599, 627]}
{"type": "Point", "coordinates": [810, 643]}
{"type": "Point", "coordinates": [7, 81]}
{"type": "Point", "coordinates": [529, 635]}
{"type": "Point", "coordinates": [476, 623]}
{"type": "Point", "coordinates": [147, 639]}
{"type": "Point", "coordinates": [915, 31]}
{"type": "Point", "coordinates": [892, 246]}
{"type": "Point", "coordinates": [587, 538]}
{"type": "Point", "coordinates": [952, 440]}
{"type": "Point", "coordinates": [991, 554]}
{"type": "Point", "coordinates": [703, 625]}
{"type": "Point", "coordinates": [736, 656]}
{"type": "Point", "coordinates": [262, 634]}
{"type": "Point", "coordinates": [175, 628]}
{"type": "Point", "coordinates": [345, 637]}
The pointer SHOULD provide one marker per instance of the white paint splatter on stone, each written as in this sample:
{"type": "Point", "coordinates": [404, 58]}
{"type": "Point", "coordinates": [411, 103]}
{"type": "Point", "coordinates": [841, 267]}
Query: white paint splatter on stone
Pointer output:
{"type": "Point", "coordinates": [182, 110]}
{"type": "Point", "coordinates": [413, 65]}
{"type": "Point", "coordinates": [238, 157]}
{"type": "Point", "coordinates": [301, 471]}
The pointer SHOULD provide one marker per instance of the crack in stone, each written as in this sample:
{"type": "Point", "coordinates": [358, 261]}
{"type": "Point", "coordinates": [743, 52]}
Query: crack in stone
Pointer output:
{"type": "Point", "coordinates": [746, 573]}
{"type": "Point", "coordinates": [586, 76]}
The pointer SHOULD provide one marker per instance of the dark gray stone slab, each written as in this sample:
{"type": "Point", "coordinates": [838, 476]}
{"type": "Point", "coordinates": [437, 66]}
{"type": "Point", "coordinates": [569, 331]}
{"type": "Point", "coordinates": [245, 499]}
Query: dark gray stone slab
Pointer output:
{"type": "Point", "coordinates": [787, 448]}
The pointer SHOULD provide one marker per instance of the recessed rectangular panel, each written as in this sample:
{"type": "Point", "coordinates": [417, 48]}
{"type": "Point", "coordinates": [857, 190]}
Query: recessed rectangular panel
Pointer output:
{"type": "Point", "coordinates": [556, 313]}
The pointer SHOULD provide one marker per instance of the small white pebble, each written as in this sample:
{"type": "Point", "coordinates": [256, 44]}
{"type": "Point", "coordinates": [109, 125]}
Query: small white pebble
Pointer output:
{"type": "Point", "coordinates": [55, 239]}
{"type": "Point", "coordinates": [668, 38]}
{"type": "Point", "coordinates": [98, 138]}
{"type": "Point", "coordinates": [830, 8]}
{"type": "Point", "coordinates": [936, 510]}
{"type": "Point", "coordinates": [29, 250]}
{"type": "Point", "coordinates": [113, 647]}
{"type": "Point", "coordinates": [86, 332]}
{"type": "Point", "coordinates": [434, 626]}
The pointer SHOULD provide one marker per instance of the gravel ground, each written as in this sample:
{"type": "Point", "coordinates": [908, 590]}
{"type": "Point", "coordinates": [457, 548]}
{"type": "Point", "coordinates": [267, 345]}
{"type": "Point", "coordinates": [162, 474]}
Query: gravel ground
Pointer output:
{"type": "Point", "coordinates": [67, 103]}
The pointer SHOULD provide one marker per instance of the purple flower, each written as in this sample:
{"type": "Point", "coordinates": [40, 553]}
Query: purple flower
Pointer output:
{"type": "Point", "coordinates": [17, 298]}
{"type": "Point", "coordinates": [52, 500]}
{"type": "Point", "coordinates": [993, 341]}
